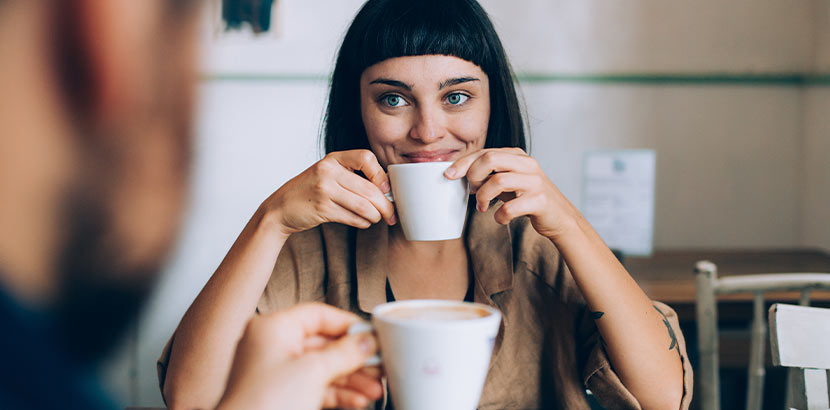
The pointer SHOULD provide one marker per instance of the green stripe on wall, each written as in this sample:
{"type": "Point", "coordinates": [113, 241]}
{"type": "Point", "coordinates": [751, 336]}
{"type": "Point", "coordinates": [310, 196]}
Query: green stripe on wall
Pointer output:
{"type": "Point", "coordinates": [774, 79]}
{"type": "Point", "coordinates": [681, 79]}
{"type": "Point", "coordinates": [822, 80]}
{"type": "Point", "coordinates": [276, 78]}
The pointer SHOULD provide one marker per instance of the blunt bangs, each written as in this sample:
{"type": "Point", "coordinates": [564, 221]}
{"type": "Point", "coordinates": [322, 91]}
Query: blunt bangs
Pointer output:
{"type": "Point", "coordinates": [428, 27]}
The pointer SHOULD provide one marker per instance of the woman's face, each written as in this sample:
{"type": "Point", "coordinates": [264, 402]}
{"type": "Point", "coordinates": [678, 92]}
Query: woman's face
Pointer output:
{"type": "Point", "coordinates": [424, 108]}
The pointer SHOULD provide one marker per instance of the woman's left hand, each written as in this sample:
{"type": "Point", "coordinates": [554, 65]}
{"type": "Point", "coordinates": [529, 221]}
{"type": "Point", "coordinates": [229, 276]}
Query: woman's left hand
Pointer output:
{"type": "Point", "coordinates": [515, 178]}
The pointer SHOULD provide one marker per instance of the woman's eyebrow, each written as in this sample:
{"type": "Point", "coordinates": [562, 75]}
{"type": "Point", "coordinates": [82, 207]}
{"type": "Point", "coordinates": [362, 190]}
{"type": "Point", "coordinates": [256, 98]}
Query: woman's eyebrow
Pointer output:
{"type": "Point", "coordinates": [456, 81]}
{"type": "Point", "coordinates": [393, 83]}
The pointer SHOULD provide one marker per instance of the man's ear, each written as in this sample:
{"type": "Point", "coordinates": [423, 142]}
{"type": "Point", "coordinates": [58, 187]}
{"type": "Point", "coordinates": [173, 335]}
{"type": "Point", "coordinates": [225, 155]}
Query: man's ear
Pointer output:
{"type": "Point", "coordinates": [115, 37]}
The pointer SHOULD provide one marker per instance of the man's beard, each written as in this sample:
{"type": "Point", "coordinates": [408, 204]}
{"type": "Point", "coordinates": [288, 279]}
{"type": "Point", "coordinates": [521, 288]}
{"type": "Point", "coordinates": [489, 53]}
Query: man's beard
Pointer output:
{"type": "Point", "coordinates": [99, 297]}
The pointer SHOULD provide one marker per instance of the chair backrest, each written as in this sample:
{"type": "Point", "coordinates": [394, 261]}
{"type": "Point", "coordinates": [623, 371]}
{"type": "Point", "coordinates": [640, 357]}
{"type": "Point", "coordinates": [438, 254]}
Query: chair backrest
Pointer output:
{"type": "Point", "coordinates": [800, 337]}
{"type": "Point", "coordinates": [708, 286]}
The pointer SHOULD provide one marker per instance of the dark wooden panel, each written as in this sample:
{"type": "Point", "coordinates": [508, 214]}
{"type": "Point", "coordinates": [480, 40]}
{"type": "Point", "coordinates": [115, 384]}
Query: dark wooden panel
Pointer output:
{"type": "Point", "coordinates": [668, 275]}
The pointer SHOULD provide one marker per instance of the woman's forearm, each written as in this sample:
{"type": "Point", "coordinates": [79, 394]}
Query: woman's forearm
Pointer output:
{"type": "Point", "coordinates": [206, 338]}
{"type": "Point", "coordinates": [639, 345]}
{"type": "Point", "coordinates": [637, 340]}
{"type": "Point", "coordinates": [205, 342]}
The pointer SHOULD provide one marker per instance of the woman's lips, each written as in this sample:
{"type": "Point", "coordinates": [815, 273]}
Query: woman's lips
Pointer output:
{"type": "Point", "coordinates": [430, 156]}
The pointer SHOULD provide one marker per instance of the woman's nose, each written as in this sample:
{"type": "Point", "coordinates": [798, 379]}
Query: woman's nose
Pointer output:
{"type": "Point", "coordinates": [428, 127]}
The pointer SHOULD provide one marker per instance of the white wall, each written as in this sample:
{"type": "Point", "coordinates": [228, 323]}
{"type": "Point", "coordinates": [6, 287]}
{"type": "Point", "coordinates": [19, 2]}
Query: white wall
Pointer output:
{"type": "Point", "coordinates": [305, 40]}
{"type": "Point", "coordinates": [726, 156]}
{"type": "Point", "coordinates": [567, 36]}
{"type": "Point", "coordinates": [821, 30]}
{"type": "Point", "coordinates": [815, 213]}
{"type": "Point", "coordinates": [738, 165]}
{"type": "Point", "coordinates": [655, 36]}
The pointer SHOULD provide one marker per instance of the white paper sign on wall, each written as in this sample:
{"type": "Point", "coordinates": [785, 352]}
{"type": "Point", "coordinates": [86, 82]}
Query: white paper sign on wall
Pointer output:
{"type": "Point", "coordinates": [618, 198]}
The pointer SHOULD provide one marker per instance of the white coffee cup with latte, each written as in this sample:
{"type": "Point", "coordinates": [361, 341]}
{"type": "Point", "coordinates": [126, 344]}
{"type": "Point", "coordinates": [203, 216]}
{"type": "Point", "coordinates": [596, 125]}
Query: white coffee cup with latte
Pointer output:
{"type": "Point", "coordinates": [435, 353]}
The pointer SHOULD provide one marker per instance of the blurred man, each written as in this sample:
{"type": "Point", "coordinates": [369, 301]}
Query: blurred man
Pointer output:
{"type": "Point", "coordinates": [95, 122]}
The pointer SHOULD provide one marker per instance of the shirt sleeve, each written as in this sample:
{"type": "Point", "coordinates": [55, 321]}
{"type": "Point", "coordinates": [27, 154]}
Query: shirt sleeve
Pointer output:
{"type": "Point", "coordinates": [599, 376]}
{"type": "Point", "coordinates": [161, 365]}
{"type": "Point", "coordinates": [299, 275]}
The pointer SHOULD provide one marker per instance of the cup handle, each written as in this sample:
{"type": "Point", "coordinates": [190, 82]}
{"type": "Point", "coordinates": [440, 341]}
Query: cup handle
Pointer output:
{"type": "Point", "coordinates": [364, 327]}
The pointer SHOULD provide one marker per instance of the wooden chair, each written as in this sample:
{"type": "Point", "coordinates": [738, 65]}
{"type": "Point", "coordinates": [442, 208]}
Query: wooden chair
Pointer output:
{"type": "Point", "coordinates": [708, 286]}
{"type": "Point", "coordinates": [800, 338]}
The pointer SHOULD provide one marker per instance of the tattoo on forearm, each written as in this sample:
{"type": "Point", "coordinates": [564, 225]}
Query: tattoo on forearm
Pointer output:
{"type": "Point", "coordinates": [596, 315]}
{"type": "Point", "coordinates": [668, 327]}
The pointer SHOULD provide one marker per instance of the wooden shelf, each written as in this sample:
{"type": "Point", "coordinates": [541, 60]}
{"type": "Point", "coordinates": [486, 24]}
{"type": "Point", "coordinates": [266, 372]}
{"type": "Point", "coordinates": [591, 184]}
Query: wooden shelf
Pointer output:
{"type": "Point", "coordinates": [668, 275]}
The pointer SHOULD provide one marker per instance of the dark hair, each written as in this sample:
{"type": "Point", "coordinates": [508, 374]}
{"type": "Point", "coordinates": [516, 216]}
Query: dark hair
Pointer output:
{"type": "Point", "coordinates": [386, 29]}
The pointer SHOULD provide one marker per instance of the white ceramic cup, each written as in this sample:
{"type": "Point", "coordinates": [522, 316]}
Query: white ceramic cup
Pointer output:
{"type": "Point", "coordinates": [430, 206]}
{"type": "Point", "coordinates": [436, 356]}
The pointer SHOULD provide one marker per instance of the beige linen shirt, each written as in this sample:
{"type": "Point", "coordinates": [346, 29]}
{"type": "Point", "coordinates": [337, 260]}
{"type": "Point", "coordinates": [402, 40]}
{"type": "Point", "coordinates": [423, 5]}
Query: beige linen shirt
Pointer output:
{"type": "Point", "coordinates": [548, 350]}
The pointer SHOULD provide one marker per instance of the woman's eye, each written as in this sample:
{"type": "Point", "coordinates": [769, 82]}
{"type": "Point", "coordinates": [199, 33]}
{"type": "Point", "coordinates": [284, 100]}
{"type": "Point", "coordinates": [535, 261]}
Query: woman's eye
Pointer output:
{"type": "Point", "coordinates": [457, 98]}
{"type": "Point", "coordinates": [394, 100]}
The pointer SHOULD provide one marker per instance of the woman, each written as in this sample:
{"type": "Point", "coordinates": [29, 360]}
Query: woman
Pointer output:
{"type": "Point", "coordinates": [429, 81]}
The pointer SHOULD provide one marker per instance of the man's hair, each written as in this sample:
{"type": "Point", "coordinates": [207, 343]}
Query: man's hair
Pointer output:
{"type": "Point", "coordinates": [385, 29]}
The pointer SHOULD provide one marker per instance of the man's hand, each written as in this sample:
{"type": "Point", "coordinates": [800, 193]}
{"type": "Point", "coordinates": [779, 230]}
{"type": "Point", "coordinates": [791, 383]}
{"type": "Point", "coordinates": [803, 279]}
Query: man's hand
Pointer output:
{"type": "Point", "coordinates": [301, 358]}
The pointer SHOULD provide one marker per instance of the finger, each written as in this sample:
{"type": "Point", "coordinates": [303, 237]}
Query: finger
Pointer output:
{"type": "Point", "coordinates": [502, 182]}
{"type": "Point", "coordinates": [356, 204]}
{"type": "Point", "coordinates": [315, 320]}
{"type": "Point", "coordinates": [372, 371]}
{"type": "Point", "coordinates": [459, 168]}
{"type": "Point", "coordinates": [361, 382]}
{"type": "Point", "coordinates": [496, 161]}
{"type": "Point", "coordinates": [510, 210]}
{"type": "Point", "coordinates": [369, 191]}
{"type": "Point", "coordinates": [339, 214]}
{"type": "Point", "coordinates": [336, 397]}
{"type": "Point", "coordinates": [462, 165]}
{"type": "Point", "coordinates": [315, 342]}
{"type": "Point", "coordinates": [343, 356]}
{"type": "Point", "coordinates": [366, 162]}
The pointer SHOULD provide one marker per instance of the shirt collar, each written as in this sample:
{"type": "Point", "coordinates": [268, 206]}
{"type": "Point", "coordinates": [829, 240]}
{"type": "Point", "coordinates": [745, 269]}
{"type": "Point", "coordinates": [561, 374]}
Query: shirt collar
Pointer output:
{"type": "Point", "coordinates": [489, 245]}
{"type": "Point", "coordinates": [371, 265]}
{"type": "Point", "coordinates": [491, 250]}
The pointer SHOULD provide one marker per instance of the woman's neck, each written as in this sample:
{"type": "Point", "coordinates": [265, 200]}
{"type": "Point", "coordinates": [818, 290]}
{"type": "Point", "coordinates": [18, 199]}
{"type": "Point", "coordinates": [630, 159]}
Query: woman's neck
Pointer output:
{"type": "Point", "coordinates": [428, 249]}
{"type": "Point", "coordinates": [427, 270]}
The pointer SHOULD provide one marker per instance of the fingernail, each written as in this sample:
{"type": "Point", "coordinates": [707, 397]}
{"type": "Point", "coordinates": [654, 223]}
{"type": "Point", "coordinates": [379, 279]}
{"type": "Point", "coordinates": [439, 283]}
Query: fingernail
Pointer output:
{"type": "Point", "coordinates": [450, 173]}
{"type": "Point", "coordinates": [385, 186]}
{"type": "Point", "coordinates": [393, 220]}
{"type": "Point", "coordinates": [367, 343]}
{"type": "Point", "coordinates": [480, 207]}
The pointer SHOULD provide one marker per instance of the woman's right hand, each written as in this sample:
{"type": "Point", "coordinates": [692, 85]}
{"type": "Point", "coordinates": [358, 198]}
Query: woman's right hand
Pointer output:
{"type": "Point", "coordinates": [331, 191]}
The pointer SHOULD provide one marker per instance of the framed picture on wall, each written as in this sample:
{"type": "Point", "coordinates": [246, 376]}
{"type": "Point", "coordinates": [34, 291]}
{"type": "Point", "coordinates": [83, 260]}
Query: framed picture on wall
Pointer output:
{"type": "Point", "coordinates": [244, 20]}
{"type": "Point", "coordinates": [274, 39]}
{"type": "Point", "coordinates": [618, 198]}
